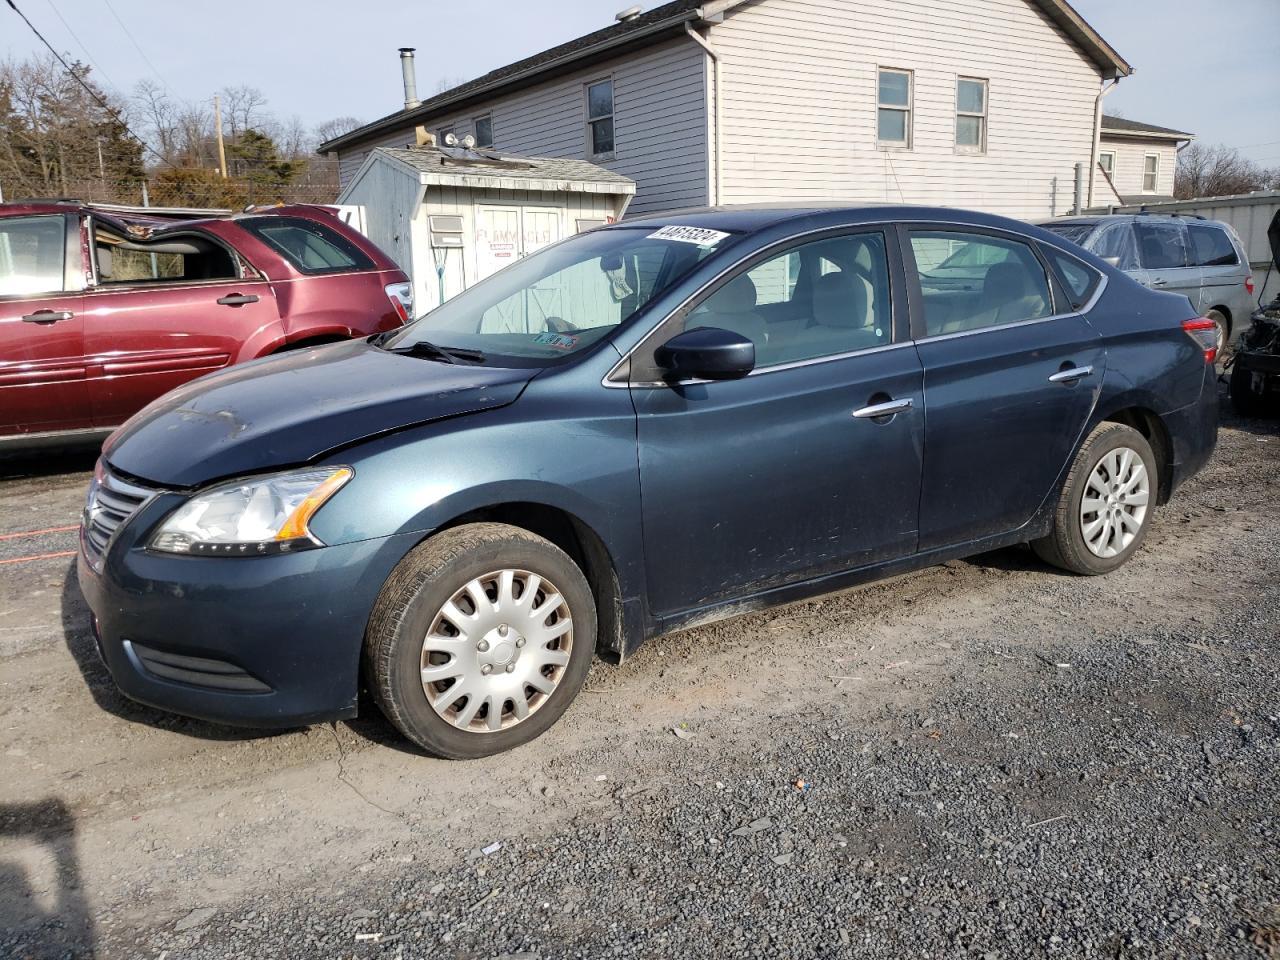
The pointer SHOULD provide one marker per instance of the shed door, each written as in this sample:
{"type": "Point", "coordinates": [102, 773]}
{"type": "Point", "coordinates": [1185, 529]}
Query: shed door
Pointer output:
{"type": "Point", "coordinates": [497, 238]}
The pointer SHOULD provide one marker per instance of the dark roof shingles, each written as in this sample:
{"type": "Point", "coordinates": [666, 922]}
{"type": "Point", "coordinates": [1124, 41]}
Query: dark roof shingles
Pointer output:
{"type": "Point", "coordinates": [1123, 125]}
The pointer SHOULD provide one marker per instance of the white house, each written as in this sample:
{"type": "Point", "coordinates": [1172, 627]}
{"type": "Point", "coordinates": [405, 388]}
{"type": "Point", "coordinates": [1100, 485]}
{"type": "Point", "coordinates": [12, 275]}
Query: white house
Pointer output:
{"type": "Point", "coordinates": [989, 104]}
{"type": "Point", "coordinates": [1137, 162]}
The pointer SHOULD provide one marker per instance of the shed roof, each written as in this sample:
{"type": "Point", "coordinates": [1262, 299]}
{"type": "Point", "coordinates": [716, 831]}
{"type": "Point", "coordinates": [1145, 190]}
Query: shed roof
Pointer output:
{"type": "Point", "coordinates": [444, 166]}
{"type": "Point", "coordinates": [650, 27]}
{"type": "Point", "coordinates": [1124, 127]}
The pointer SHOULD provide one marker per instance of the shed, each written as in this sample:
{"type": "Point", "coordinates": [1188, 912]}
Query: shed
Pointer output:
{"type": "Point", "coordinates": [450, 216]}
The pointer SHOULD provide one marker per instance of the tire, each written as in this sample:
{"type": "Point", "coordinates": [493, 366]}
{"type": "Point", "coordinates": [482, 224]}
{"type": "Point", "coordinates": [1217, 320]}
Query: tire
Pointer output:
{"type": "Point", "coordinates": [1223, 332]}
{"type": "Point", "coordinates": [1244, 400]}
{"type": "Point", "coordinates": [480, 654]}
{"type": "Point", "coordinates": [1067, 545]}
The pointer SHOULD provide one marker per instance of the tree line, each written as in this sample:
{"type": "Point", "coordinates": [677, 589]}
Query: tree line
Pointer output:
{"type": "Point", "coordinates": [65, 136]}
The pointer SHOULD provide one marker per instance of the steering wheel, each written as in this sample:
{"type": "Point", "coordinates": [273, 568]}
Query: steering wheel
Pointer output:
{"type": "Point", "coordinates": [557, 325]}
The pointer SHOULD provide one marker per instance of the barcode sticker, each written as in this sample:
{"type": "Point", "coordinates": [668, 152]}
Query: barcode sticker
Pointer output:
{"type": "Point", "coordinates": [699, 236]}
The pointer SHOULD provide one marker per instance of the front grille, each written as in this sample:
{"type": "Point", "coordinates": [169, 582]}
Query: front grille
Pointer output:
{"type": "Point", "coordinates": [196, 671]}
{"type": "Point", "coordinates": [110, 503]}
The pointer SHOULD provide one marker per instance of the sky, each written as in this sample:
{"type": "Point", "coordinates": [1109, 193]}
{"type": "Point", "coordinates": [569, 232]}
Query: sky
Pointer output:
{"type": "Point", "coordinates": [1205, 66]}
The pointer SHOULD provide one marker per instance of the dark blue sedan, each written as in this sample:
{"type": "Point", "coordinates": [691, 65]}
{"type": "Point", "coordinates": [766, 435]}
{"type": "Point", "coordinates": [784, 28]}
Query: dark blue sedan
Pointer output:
{"type": "Point", "coordinates": [643, 427]}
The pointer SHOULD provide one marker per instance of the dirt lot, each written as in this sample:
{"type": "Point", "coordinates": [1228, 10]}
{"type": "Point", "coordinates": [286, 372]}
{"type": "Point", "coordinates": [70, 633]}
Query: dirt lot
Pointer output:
{"type": "Point", "coordinates": [987, 758]}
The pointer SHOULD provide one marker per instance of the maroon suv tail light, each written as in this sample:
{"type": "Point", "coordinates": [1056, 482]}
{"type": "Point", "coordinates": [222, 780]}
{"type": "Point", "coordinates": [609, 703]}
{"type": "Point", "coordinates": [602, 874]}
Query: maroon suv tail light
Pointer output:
{"type": "Point", "coordinates": [1205, 333]}
{"type": "Point", "coordinates": [401, 297]}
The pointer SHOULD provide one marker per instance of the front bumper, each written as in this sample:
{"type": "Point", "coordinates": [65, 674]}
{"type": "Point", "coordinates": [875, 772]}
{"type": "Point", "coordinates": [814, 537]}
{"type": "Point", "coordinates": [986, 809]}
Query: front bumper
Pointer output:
{"type": "Point", "coordinates": [271, 641]}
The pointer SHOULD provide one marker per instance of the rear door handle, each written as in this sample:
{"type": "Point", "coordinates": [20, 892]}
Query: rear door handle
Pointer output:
{"type": "Point", "coordinates": [1071, 375]}
{"type": "Point", "coordinates": [48, 316]}
{"type": "Point", "coordinates": [886, 409]}
{"type": "Point", "coordinates": [237, 300]}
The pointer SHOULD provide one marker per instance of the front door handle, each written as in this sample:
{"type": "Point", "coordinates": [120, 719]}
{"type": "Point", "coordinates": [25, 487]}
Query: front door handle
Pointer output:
{"type": "Point", "coordinates": [237, 300]}
{"type": "Point", "coordinates": [1159, 282]}
{"type": "Point", "coordinates": [1071, 375]}
{"type": "Point", "coordinates": [887, 409]}
{"type": "Point", "coordinates": [48, 316]}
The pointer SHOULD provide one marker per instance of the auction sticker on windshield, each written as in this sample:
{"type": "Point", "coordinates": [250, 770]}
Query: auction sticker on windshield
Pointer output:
{"type": "Point", "coordinates": [700, 236]}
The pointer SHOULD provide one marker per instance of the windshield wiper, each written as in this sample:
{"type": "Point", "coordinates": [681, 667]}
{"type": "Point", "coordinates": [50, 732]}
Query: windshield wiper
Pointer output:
{"type": "Point", "coordinates": [425, 348]}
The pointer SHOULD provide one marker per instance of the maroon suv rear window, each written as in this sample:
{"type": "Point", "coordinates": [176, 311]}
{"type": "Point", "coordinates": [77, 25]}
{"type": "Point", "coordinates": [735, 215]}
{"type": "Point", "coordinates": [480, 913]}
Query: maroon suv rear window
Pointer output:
{"type": "Point", "coordinates": [311, 247]}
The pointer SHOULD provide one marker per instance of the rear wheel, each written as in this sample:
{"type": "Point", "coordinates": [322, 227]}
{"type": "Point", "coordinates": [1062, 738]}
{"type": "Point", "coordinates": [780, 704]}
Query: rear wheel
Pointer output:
{"type": "Point", "coordinates": [1222, 330]}
{"type": "Point", "coordinates": [480, 639]}
{"type": "Point", "coordinates": [1105, 504]}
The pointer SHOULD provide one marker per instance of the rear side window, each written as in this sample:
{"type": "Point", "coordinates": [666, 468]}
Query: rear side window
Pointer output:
{"type": "Point", "coordinates": [1161, 243]}
{"type": "Point", "coordinates": [1211, 246]}
{"type": "Point", "coordinates": [971, 281]}
{"type": "Point", "coordinates": [32, 253]}
{"type": "Point", "coordinates": [311, 247]}
{"type": "Point", "coordinates": [1079, 280]}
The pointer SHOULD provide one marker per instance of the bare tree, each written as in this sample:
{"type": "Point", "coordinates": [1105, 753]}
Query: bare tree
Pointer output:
{"type": "Point", "coordinates": [1219, 171]}
{"type": "Point", "coordinates": [244, 108]}
{"type": "Point", "coordinates": [336, 127]}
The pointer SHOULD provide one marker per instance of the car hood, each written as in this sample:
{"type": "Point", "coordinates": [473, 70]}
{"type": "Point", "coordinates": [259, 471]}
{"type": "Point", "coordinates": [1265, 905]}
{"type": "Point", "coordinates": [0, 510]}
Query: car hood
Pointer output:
{"type": "Point", "coordinates": [291, 409]}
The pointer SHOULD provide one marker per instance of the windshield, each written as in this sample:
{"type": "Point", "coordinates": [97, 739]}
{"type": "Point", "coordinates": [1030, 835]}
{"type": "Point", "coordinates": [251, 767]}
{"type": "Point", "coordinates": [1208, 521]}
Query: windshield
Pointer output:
{"type": "Point", "coordinates": [1075, 232]}
{"type": "Point", "coordinates": [562, 299]}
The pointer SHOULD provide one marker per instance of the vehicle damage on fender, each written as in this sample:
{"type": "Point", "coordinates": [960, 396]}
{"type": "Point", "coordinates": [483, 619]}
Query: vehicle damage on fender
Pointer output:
{"type": "Point", "coordinates": [643, 427]}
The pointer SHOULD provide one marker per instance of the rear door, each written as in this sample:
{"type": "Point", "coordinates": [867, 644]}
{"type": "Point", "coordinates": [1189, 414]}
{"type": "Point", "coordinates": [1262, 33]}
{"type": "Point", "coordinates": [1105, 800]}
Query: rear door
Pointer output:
{"type": "Point", "coordinates": [160, 314]}
{"type": "Point", "coordinates": [1009, 383]}
{"type": "Point", "coordinates": [1162, 244]}
{"type": "Point", "coordinates": [42, 366]}
{"type": "Point", "coordinates": [1222, 274]}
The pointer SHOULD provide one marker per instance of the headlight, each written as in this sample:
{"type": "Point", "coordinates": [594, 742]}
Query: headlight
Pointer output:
{"type": "Point", "coordinates": [259, 515]}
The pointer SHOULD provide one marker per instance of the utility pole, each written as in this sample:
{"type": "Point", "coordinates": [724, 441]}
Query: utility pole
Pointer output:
{"type": "Point", "coordinates": [217, 126]}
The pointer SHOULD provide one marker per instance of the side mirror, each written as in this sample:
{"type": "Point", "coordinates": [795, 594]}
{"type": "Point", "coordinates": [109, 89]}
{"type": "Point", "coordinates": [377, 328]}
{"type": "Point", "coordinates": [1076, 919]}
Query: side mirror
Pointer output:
{"type": "Point", "coordinates": [706, 353]}
{"type": "Point", "coordinates": [1111, 261]}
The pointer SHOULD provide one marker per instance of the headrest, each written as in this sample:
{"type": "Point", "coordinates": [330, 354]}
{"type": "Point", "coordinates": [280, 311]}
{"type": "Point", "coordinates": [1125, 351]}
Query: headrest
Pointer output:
{"type": "Point", "coordinates": [840, 300]}
{"type": "Point", "coordinates": [737, 296]}
{"type": "Point", "coordinates": [1005, 281]}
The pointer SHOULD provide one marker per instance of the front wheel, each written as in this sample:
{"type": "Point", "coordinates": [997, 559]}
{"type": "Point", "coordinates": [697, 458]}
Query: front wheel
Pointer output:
{"type": "Point", "coordinates": [1105, 506]}
{"type": "Point", "coordinates": [479, 640]}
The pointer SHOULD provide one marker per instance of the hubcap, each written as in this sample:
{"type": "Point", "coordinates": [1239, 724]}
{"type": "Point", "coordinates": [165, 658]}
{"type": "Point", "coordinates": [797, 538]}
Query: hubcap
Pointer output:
{"type": "Point", "coordinates": [1115, 502]}
{"type": "Point", "coordinates": [496, 650]}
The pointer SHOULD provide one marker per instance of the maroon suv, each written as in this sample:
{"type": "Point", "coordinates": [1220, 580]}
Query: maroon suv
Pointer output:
{"type": "Point", "coordinates": [104, 309]}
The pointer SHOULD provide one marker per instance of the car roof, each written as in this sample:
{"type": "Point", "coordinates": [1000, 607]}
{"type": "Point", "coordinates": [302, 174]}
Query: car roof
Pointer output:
{"type": "Point", "coordinates": [750, 218]}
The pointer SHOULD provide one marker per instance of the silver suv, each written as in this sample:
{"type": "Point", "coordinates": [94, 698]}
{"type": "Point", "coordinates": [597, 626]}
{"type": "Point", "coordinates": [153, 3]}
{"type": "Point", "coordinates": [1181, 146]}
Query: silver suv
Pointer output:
{"type": "Point", "coordinates": [1203, 259]}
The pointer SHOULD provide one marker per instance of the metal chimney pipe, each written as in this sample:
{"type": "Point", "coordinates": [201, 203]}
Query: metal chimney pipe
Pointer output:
{"type": "Point", "coordinates": [410, 79]}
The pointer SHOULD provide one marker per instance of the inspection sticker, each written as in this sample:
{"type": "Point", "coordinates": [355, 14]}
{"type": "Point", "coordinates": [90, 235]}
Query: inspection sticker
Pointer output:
{"type": "Point", "coordinates": [700, 236]}
{"type": "Point", "coordinates": [558, 340]}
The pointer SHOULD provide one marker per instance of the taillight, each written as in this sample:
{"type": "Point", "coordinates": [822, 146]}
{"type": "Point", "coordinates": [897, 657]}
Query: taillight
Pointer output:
{"type": "Point", "coordinates": [1248, 285]}
{"type": "Point", "coordinates": [401, 297]}
{"type": "Point", "coordinates": [1205, 333]}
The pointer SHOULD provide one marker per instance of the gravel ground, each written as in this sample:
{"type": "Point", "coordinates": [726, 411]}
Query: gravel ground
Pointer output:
{"type": "Point", "coordinates": [984, 759]}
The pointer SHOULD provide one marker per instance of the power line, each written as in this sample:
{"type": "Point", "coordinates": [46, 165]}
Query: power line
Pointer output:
{"type": "Point", "coordinates": [142, 53]}
{"type": "Point", "coordinates": [88, 89]}
{"type": "Point", "coordinates": [85, 50]}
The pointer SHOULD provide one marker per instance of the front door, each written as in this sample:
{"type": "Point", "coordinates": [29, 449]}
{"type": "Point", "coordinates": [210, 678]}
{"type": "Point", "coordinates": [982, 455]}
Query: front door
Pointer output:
{"type": "Point", "coordinates": [787, 474]}
{"type": "Point", "coordinates": [1009, 387]}
{"type": "Point", "coordinates": [42, 369]}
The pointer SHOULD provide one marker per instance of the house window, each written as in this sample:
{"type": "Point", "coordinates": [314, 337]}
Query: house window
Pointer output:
{"type": "Point", "coordinates": [1150, 172]}
{"type": "Point", "coordinates": [971, 115]}
{"type": "Point", "coordinates": [893, 122]}
{"type": "Point", "coordinates": [1107, 161]}
{"type": "Point", "coordinates": [600, 118]}
{"type": "Point", "coordinates": [484, 131]}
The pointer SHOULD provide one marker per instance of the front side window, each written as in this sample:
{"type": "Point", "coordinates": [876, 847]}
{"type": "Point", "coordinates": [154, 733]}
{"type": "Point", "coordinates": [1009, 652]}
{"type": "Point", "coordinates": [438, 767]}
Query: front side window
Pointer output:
{"type": "Point", "coordinates": [1150, 172]}
{"type": "Point", "coordinates": [1211, 247]}
{"type": "Point", "coordinates": [563, 298]}
{"type": "Point", "coordinates": [971, 115]}
{"type": "Point", "coordinates": [820, 299]}
{"type": "Point", "coordinates": [600, 118]}
{"type": "Point", "coordinates": [971, 281]}
{"type": "Point", "coordinates": [33, 252]}
{"type": "Point", "coordinates": [484, 131]}
{"type": "Point", "coordinates": [893, 101]}
{"type": "Point", "coordinates": [311, 247]}
{"type": "Point", "coordinates": [1161, 243]}
{"type": "Point", "coordinates": [1107, 161]}
{"type": "Point", "coordinates": [1116, 243]}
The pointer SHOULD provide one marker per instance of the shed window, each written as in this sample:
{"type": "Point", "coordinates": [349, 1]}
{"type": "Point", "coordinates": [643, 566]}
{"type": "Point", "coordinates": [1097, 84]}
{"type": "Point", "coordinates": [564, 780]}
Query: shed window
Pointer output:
{"type": "Point", "coordinates": [971, 115]}
{"type": "Point", "coordinates": [893, 123]}
{"type": "Point", "coordinates": [484, 131]}
{"type": "Point", "coordinates": [1150, 172]}
{"type": "Point", "coordinates": [1107, 161]}
{"type": "Point", "coordinates": [600, 117]}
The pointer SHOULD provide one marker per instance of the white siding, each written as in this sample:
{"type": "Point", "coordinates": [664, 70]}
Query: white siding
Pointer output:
{"type": "Point", "coordinates": [660, 138]}
{"type": "Point", "coordinates": [800, 103]}
{"type": "Point", "coordinates": [1130, 154]}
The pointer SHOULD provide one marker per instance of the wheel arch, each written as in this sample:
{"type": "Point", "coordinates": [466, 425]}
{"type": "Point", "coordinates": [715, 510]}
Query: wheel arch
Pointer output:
{"type": "Point", "coordinates": [1153, 429]}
